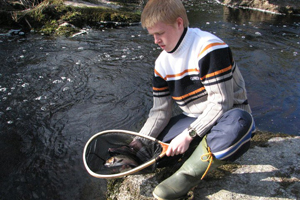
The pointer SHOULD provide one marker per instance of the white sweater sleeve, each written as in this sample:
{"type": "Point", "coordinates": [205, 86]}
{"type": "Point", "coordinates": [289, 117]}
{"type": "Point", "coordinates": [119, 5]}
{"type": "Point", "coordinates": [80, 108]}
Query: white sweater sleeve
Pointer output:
{"type": "Point", "coordinates": [159, 116]}
{"type": "Point", "coordinates": [219, 100]}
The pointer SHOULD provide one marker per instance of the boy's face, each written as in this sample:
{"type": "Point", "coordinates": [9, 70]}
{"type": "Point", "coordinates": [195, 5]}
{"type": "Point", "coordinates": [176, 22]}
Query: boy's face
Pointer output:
{"type": "Point", "coordinates": [167, 35]}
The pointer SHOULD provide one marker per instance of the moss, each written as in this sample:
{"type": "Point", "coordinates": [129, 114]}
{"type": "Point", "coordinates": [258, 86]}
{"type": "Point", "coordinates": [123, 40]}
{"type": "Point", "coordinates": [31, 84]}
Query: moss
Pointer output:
{"type": "Point", "coordinates": [47, 16]}
{"type": "Point", "coordinates": [261, 138]}
{"type": "Point", "coordinates": [66, 30]}
{"type": "Point", "coordinates": [73, 18]}
{"type": "Point", "coordinates": [113, 186]}
{"type": "Point", "coordinates": [49, 27]}
{"type": "Point", "coordinates": [94, 15]}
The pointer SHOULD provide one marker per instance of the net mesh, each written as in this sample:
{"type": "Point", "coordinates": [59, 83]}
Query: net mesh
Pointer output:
{"type": "Point", "coordinates": [116, 152]}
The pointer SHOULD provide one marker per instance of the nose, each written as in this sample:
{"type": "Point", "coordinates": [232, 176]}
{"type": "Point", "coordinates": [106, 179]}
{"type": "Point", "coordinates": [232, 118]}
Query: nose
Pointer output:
{"type": "Point", "coordinates": [156, 39]}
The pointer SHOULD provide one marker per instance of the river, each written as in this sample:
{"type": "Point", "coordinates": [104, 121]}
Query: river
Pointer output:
{"type": "Point", "coordinates": [57, 92]}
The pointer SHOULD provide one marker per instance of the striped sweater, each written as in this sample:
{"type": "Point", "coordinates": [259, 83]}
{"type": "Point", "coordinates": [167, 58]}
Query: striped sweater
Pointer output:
{"type": "Point", "coordinates": [201, 77]}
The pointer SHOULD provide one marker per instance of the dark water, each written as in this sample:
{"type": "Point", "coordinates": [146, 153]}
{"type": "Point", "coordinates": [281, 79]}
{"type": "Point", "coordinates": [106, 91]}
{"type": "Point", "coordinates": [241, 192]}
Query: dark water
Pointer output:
{"type": "Point", "coordinates": [57, 92]}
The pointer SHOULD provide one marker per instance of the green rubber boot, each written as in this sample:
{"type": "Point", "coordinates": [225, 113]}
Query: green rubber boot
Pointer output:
{"type": "Point", "coordinates": [189, 175]}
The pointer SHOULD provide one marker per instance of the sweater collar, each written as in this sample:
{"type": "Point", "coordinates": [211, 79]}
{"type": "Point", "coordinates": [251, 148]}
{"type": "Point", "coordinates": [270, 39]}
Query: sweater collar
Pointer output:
{"type": "Point", "coordinates": [179, 41]}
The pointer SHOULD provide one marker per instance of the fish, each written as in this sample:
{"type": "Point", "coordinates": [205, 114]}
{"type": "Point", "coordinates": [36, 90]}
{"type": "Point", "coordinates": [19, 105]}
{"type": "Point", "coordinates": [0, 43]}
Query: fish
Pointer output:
{"type": "Point", "coordinates": [132, 148]}
{"type": "Point", "coordinates": [124, 150]}
{"type": "Point", "coordinates": [139, 151]}
{"type": "Point", "coordinates": [121, 161]}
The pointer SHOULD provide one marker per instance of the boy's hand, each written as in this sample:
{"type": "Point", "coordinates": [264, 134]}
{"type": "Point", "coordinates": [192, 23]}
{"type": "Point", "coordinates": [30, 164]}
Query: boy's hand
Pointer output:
{"type": "Point", "coordinates": [179, 144]}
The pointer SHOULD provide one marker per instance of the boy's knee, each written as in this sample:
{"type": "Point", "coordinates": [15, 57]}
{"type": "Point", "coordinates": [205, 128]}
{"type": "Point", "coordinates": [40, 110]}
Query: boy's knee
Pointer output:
{"type": "Point", "coordinates": [230, 137]}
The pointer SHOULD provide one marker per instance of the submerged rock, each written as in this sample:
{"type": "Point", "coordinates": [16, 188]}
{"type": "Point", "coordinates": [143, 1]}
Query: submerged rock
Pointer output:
{"type": "Point", "coordinates": [269, 170]}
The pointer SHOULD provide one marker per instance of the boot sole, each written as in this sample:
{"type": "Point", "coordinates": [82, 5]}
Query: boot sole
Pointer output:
{"type": "Point", "coordinates": [158, 198]}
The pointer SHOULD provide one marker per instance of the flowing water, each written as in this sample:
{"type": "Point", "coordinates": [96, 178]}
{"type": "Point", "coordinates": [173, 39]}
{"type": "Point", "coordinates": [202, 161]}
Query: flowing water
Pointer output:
{"type": "Point", "coordinates": [57, 92]}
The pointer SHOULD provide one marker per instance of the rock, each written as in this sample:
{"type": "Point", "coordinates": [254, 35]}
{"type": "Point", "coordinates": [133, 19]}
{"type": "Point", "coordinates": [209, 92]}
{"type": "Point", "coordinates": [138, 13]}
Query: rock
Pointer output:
{"type": "Point", "coordinates": [273, 6]}
{"type": "Point", "coordinates": [269, 170]}
{"type": "Point", "coordinates": [82, 3]}
{"type": "Point", "coordinates": [81, 32]}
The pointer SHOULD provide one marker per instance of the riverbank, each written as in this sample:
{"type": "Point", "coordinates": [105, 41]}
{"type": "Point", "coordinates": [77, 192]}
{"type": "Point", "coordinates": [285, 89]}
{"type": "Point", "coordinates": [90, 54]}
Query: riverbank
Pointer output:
{"type": "Point", "coordinates": [287, 7]}
{"type": "Point", "coordinates": [269, 170]}
{"type": "Point", "coordinates": [58, 17]}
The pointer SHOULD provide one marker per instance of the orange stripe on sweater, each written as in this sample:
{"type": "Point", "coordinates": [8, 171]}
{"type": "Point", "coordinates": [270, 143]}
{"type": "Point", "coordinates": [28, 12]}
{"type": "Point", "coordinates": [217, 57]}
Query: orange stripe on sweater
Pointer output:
{"type": "Point", "coordinates": [209, 46]}
{"type": "Point", "coordinates": [216, 73]}
{"type": "Point", "coordinates": [160, 89]}
{"type": "Point", "coordinates": [189, 94]}
{"type": "Point", "coordinates": [176, 75]}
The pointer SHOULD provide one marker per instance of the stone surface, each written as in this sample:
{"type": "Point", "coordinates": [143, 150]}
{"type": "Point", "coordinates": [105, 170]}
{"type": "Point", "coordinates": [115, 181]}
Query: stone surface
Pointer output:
{"type": "Point", "coordinates": [268, 171]}
{"type": "Point", "coordinates": [273, 6]}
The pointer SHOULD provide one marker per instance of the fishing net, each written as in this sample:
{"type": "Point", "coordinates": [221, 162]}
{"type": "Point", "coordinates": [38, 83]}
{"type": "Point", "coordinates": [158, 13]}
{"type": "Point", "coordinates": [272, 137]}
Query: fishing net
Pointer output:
{"type": "Point", "coordinates": [115, 152]}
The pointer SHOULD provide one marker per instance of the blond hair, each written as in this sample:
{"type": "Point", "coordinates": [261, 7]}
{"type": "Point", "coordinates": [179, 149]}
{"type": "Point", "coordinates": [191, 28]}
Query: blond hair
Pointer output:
{"type": "Point", "coordinates": [166, 11]}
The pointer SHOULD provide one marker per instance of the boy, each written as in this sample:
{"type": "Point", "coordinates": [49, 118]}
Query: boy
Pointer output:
{"type": "Point", "coordinates": [195, 70]}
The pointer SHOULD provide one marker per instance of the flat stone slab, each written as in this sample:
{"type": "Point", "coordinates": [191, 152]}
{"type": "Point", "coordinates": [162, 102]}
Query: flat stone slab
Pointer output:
{"type": "Point", "coordinates": [268, 172]}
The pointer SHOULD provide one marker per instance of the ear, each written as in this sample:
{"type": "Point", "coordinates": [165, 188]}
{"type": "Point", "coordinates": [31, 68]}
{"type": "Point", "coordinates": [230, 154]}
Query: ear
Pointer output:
{"type": "Point", "coordinates": [179, 22]}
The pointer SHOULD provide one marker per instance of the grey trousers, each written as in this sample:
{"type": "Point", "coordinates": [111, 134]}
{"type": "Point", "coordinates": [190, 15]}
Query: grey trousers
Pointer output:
{"type": "Point", "coordinates": [228, 139]}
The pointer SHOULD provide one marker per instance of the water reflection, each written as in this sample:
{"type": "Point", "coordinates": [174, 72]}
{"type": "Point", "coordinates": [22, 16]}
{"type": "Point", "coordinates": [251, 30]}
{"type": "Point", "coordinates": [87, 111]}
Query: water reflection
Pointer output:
{"type": "Point", "coordinates": [56, 92]}
{"type": "Point", "coordinates": [241, 16]}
